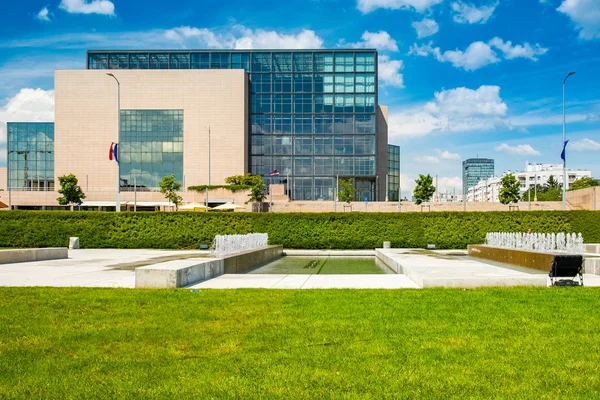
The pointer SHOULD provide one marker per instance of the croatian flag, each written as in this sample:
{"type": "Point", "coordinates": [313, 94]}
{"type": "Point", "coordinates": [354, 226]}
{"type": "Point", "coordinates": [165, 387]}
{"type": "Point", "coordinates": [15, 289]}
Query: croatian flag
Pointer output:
{"type": "Point", "coordinates": [562, 155]}
{"type": "Point", "coordinates": [114, 152]}
{"type": "Point", "coordinates": [274, 173]}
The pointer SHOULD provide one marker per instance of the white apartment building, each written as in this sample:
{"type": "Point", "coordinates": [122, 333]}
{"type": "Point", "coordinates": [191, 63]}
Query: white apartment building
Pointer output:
{"type": "Point", "coordinates": [489, 190]}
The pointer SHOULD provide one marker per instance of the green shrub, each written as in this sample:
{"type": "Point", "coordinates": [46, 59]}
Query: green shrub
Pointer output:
{"type": "Point", "coordinates": [186, 230]}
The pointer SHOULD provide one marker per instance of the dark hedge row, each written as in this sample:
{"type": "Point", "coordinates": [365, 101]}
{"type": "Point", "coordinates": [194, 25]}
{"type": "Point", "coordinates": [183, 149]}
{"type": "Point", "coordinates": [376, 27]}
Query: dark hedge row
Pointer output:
{"type": "Point", "coordinates": [302, 231]}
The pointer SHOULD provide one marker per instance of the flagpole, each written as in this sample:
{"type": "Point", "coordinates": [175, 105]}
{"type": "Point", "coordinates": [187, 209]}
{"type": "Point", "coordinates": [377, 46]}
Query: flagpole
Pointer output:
{"type": "Point", "coordinates": [564, 153]}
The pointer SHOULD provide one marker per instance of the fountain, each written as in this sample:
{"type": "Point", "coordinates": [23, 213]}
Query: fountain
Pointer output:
{"type": "Point", "coordinates": [569, 243]}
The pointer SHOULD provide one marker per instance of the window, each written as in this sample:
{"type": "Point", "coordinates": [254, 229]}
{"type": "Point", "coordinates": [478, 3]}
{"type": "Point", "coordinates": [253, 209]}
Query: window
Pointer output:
{"type": "Point", "coordinates": [303, 166]}
{"type": "Point", "coordinates": [323, 62]}
{"type": "Point", "coordinates": [159, 61]}
{"type": "Point", "coordinates": [303, 145]}
{"type": "Point", "coordinates": [344, 83]}
{"type": "Point", "coordinates": [240, 61]}
{"type": "Point", "coordinates": [303, 189]}
{"type": "Point", "coordinates": [261, 103]}
{"type": "Point", "coordinates": [283, 164]}
{"type": "Point", "coordinates": [282, 124]}
{"type": "Point", "coordinates": [261, 83]}
{"type": "Point", "coordinates": [200, 61]}
{"type": "Point", "coordinates": [324, 188]}
{"type": "Point", "coordinates": [364, 145]}
{"type": "Point", "coordinates": [365, 62]}
{"type": "Point", "coordinates": [344, 166]}
{"type": "Point", "coordinates": [323, 145]}
{"type": "Point", "coordinates": [261, 124]}
{"type": "Point", "coordinates": [98, 61]}
{"type": "Point", "coordinates": [343, 144]}
{"type": "Point", "coordinates": [138, 61]}
{"type": "Point", "coordinates": [327, 83]}
{"type": "Point", "coordinates": [303, 125]}
{"type": "Point", "coordinates": [282, 103]}
{"type": "Point", "coordinates": [303, 62]}
{"type": "Point", "coordinates": [365, 103]}
{"type": "Point", "coordinates": [344, 62]}
{"type": "Point", "coordinates": [343, 124]}
{"type": "Point", "coordinates": [303, 83]}
{"type": "Point", "coordinates": [261, 165]}
{"type": "Point", "coordinates": [119, 61]}
{"type": "Point", "coordinates": [220, 60]}
{"type": "Point", "coordinates": [282, 62]}
{"type": "Point", "coordinates": [282, 145]}
{"type": "Point", "coordinates": [365, 83]}
{"type": "Point", "coordinates": [30, 150]}
{"type": "Point", "coordinates": [282, 83]}
{"type": "Point", "coordinates": [303, 103]}
{"type": "Point", "coordinates": [364, 166]}
{"type": "Point", "coordinates": [364, 124]}
{"type": "Point", "coordinates": [323, 165]}
{"type": "Point", "coordinates": [180, 61]}
{"type": "Point", "coordinates": [261, 144]}
{"type": "Point", "coordinates": [261, 62]}
{"type": "Point", "coordinates": [323, 124]}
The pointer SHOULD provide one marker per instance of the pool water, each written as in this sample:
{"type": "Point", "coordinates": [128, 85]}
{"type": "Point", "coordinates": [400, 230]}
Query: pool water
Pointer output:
{"type": "Point", "coordinates": [324, 266]}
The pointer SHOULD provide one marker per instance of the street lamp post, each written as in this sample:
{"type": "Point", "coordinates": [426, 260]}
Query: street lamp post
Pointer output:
{"type": "Point", "coordinates": [118, 200]}
{"type": "Point", "coordinates": [564, 191]}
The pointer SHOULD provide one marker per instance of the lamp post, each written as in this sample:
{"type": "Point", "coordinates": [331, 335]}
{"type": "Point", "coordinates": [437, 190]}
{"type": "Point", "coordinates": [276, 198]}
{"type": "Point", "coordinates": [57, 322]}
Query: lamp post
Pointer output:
{"type": "Point", "coordinates": [118, 200]}
{"type": "Point", "coordinates": [564, 191]}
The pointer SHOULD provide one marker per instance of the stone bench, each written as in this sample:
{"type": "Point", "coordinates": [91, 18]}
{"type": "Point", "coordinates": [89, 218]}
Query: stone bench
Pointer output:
{"type": "Point", "coordinates": [29, 255]}
{"type": "Point", "coordinates": [178, 273]}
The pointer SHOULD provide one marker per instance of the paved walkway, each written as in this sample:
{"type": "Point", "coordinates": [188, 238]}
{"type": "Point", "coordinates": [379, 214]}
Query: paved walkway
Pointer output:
{"type": "Point", "coordinates": [86, 267]}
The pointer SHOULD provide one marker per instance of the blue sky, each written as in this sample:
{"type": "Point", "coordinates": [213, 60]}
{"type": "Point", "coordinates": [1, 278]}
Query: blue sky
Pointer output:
{"type": "Point", "coordinates": [461, 78]}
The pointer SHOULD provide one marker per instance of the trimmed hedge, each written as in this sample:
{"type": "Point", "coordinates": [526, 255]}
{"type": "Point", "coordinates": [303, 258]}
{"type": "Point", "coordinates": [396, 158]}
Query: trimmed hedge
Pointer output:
{"type": "Point", "coordinates": [186, 230]}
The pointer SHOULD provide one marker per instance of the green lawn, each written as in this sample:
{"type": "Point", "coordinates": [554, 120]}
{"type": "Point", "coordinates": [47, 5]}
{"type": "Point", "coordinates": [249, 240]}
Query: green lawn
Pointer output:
{"type": "Point", "coordinates": [488, 343]}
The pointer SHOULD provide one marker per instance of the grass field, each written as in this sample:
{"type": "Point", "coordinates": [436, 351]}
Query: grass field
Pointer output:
{"type": "Point", "coordinates": [487, 343]}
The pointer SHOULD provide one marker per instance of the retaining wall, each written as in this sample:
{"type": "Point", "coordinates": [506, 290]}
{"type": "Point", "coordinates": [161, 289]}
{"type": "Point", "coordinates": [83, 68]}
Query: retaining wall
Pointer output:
{"type": "Point", "coordinates": [27, 255]}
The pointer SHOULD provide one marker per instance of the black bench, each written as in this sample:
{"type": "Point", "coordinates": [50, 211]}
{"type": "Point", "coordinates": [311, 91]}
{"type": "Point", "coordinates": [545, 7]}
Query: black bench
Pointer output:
{"type": "Point", "coordinates": [566, 266]}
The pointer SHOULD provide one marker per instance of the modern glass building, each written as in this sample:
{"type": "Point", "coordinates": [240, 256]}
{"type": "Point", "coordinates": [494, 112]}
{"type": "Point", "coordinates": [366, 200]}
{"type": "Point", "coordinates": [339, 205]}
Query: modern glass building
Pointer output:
{"type": "Point", "coordinates": [475, 170]}
{"type": "Point", "coordinates": [30, 156]}
{"type": "Point", "coordinates": [312, 116]}
{"type": "Point", "coordinates": [393, 172]}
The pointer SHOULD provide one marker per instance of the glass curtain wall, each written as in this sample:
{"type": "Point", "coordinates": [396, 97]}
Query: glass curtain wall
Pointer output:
{"type": "Point", "coordinates": [393, 172]}
{"type": "Point", "coordinates": [312, 113]}
{"type": "Point", "coordinates": [31, 156]}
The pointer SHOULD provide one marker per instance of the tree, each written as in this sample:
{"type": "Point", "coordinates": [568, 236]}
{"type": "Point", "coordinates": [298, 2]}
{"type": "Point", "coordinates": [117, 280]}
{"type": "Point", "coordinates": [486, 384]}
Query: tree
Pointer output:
{"type": "Point", "coordinates": [424, 189]}
{"type": "Point", "coordinates": [346, 190]}
{"type": "Point", "coordinates": [169, 188]}
{"type": "Point", "coordinates": [553, 183]}
{"type": "Point", "coordinates": [258, 191]}
{"type": "Point", "coordinates": [70, 191]}
{"type": "Point", "coordinates": [509, 193]}
{"type": "Point", "coordinates": [584, 182]}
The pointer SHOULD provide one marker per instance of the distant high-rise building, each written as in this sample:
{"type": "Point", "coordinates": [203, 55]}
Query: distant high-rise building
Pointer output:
{"type": "Point", "coordinates": [475, 170]}
{"type": "Point", "coordinates": [393, 172]}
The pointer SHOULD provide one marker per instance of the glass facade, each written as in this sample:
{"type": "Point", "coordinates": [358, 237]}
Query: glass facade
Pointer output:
{"type": "Point", "coordinates": [475, 170]}
{"type": "Point", "coordinates": [393, 172]}
{"type": "Point", "coordinates": [30, 156]}
{"type": "Point", "coordinates": [312, 113]}
{"type": "Point", "coordinates": [151, 147]}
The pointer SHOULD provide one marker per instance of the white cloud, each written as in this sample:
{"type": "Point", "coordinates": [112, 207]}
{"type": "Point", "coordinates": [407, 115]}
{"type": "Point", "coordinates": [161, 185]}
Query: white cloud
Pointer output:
{"type": "Point", "coordinates": [525, 50]}
{"type": "Point", "coordinates": [455, 110]}
{"type": "Point", "coordinates": [470, 14]}
{"type": "Point", "coordinates": [585, 145]}
{"type": "Point", "coordinates": [427, 159]}
{"type": "Point", "coordinates": [102, 7]}
{"type": "Point", "coordinates": [389, 71]}
{"type": "Point", "coordinates": [518, 150]}
{"type": "Point", "coordinates": [240, 37]}
{"type": "Point", "coordinates": [585, 14]}
{"type": "Point", "coordinates": [366, 6]}
{"type": "Point", "coordinates": [446, 155]}
{"type": "Point", "coordinates": [379, 40]}
{"type": "Point", "coordinates": [450, 184]}
{"type": "Point", "coordinates": [29, 105]}
{"type": "Point", "coordinates": [480, 54]}
{"type": "Point", "coordinates": [43, 15]}
{"type": "Point", "coordinates": [426, 27]}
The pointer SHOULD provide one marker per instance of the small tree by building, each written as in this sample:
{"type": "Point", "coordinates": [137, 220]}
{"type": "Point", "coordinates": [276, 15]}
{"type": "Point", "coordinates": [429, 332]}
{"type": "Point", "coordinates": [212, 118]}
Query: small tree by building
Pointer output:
{"type": "Point", "coordinates": [169, 187]}
{"type": "Point", "coordinates": [584, 182]}
{"type": "Point", "coordinates": [69, 189]}
{"type": "Point", "coordinates": [509, 193]}
{"type": "Point", "coordinates": [258, 191]}
{"type": "Point", "coordinates": [424, 189]}
{"type": "Point", "coordinates": [346, 190]}
{"type": "Point", "coordinates": [553, 183]}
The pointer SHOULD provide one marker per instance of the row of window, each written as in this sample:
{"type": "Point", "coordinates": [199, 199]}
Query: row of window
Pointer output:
{"type": "Point", "coordinates": [314, 124]}
{"type": "Point", "coordinates": [306, 166]}
{"type": "Point", "coordinates": [308, 145]}
{"type": "Point", "coordinates": [318, 83]}
{"type": "Point", "coordinates": [309, 103]}
{"type": "Point", "coordinates": [255, 61]}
